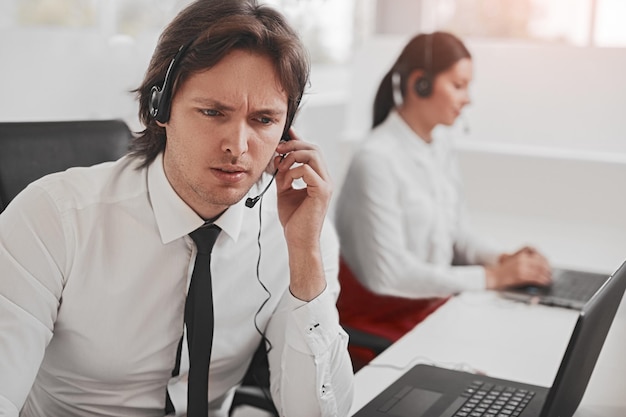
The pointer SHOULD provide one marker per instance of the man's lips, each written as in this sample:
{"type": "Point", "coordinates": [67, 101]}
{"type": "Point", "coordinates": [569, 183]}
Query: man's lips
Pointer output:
{"type": "Point", "coordinates": [230, 174]}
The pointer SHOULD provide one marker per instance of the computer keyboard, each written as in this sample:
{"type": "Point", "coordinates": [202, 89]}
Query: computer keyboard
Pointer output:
{"type": "Point", "coordinates": [489, 400]}
{"type": "Point", "coordinates": [577, 286]}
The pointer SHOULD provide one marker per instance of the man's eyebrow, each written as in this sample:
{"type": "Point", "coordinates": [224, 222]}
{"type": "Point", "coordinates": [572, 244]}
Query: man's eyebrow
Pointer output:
{"type": "Point", "coordinates": [215, 104]}
{"type": "Point", "coordinates": [270, 112]}
{"type": "Point", "coordinates": [218, 105]}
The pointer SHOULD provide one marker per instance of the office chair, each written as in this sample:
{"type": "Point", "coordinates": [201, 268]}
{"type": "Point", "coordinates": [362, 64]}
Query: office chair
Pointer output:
{"type": "Point", "coordinates": [364, 345]}
{"type": "Point", "coordinates": [374, 322]}
{"type": "Point", "coordinates": [30, 150]}
{"type": "Point", "coordinates": [254, 391]}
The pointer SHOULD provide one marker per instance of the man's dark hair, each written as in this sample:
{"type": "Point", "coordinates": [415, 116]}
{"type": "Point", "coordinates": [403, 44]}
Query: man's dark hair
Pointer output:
{"type": "Point", "coordinates": [214, 28]}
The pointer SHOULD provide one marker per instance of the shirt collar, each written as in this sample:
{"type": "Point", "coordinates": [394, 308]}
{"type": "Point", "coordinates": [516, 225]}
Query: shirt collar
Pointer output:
{"type": "Point", "coordinates": [406, 135]}
{"type": "Point", "coordinates": [174, 217]}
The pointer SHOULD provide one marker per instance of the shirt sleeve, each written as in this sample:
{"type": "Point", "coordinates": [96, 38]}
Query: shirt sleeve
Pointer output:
{"type": "Point", "coordinates": [373, 240]}
{"type": "Point", "coordinates": [310, 369]}
{"type": "Point", "coordinates": [31, 261]}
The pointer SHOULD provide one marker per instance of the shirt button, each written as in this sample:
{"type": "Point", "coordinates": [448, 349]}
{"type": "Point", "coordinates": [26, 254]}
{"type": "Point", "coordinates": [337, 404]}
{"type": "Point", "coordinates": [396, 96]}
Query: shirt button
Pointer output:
{"type": "Point", "coordinates": [312, 327]}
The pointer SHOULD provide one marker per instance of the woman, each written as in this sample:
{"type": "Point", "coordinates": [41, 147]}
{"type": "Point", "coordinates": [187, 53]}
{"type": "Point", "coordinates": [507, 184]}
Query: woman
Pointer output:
{"type": "Point", "coordinates": [400, 215]}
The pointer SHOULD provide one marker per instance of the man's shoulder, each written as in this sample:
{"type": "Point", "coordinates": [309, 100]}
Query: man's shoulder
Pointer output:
{"type": "Point", "coordinates": [106, 182]}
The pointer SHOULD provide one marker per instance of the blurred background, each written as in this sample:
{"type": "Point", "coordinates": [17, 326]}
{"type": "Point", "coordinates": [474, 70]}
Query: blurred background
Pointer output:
{"type": "Point", "coordinates": [542, 146]}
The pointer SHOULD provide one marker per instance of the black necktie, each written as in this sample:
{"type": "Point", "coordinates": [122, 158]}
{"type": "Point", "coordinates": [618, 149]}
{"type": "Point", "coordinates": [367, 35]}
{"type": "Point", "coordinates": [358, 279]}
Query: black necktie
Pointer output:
{"type": "Point", "coordinates": [199, 322]}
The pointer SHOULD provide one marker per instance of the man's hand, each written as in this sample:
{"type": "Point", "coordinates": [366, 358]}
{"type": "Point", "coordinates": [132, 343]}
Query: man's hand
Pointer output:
{"type": "Point", "coordinates": [302, 212]}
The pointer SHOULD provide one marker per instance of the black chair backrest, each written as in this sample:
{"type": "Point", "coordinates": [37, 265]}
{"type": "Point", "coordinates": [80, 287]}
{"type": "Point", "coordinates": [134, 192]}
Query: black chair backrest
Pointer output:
{"type": "Point", "coordinates": [30, 150]}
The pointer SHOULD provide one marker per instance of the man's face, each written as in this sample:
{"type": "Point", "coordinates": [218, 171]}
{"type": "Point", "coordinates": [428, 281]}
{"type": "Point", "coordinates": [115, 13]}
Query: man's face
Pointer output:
{"type": "Point", "coordinates": [223, 130]}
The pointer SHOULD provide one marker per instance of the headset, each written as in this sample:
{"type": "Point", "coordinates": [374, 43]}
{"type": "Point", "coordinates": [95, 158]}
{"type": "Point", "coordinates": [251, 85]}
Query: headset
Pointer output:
{"type": "Point", "coordinates": [424, 85]}
{"type": "Point", "coordinates": [161, 99]}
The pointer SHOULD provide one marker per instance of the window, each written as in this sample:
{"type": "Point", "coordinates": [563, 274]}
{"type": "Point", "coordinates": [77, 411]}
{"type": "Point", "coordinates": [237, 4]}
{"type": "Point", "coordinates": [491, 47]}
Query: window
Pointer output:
{"type": "Point", "coordinates": [574, 22]}
{"type": "Point", "coordinates": [52, 13]}
{"type": "Point", "coordinates": [325, 26]}
{"type": "Point", "coordinates": [609, 28]}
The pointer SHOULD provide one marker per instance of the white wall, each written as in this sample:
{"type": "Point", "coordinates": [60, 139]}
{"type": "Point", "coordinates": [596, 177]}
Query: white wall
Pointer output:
{"type": "Point", "coordinates": [549, 96]}
{"type": "Point", "coordinates": [67, 75]}
{"type": "Point", "coordinates": [570, 207]}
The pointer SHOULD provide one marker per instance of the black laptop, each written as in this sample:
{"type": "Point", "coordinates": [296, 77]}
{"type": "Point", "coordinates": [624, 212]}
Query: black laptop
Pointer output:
{"type": "Point", "coordinates": [569, 289]}
{"type": "Point", "coordinates": [430, 391]}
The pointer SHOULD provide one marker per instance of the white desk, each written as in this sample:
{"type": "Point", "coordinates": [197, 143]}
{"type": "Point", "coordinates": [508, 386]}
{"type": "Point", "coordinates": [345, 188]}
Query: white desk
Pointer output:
{"type": "Point", "coordinates": [505, 339]}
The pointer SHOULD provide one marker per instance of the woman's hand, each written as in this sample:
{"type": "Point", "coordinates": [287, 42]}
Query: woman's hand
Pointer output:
{"type": "Point", "coordinates": [525, 267]}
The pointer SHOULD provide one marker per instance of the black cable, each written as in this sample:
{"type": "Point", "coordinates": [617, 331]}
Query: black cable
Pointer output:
{"type": "Point", "coordinates": [258, 277]}
{"type": "Point", "coordinates": [266, 341]}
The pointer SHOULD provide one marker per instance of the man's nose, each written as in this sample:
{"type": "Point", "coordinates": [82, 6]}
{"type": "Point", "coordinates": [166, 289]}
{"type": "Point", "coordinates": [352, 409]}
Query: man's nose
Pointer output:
{"type": "Point", "coordinates": [235, 141]}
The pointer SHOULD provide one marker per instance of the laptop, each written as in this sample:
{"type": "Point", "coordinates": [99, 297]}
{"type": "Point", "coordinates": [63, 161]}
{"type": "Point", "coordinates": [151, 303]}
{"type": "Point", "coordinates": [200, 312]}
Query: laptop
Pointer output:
{"type": "Point", "coordinates": [430, 391]}
{"type": "Point", "coordinates": [569, 289]}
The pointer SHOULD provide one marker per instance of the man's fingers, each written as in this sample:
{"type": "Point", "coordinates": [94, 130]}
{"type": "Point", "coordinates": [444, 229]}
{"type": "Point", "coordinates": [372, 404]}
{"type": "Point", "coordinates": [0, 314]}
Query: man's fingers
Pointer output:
{"type": "Point", "coordinates": [304, 157]}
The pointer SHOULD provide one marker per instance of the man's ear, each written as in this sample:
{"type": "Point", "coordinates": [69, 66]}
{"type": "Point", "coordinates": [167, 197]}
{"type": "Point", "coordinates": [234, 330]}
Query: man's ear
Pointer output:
{"type": "Point", "coordinates": [270, 168]}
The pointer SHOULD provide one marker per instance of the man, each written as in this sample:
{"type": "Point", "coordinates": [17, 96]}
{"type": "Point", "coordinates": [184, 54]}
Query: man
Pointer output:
{"type": "Point", "coordinates": [97, 262]}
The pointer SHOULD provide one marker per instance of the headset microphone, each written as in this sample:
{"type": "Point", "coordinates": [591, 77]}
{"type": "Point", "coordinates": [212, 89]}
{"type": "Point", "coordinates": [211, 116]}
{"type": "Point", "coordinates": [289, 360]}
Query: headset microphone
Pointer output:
{"type": "Point", "coordinates": [466, 125]}
{"type": "Point", "coordinates": [251, 201]}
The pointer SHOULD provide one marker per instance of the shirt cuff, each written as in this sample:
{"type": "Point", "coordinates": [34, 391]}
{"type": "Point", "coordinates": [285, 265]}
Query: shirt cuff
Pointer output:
{"type": "Point", "coordinates": [490, 257]}
{"type": "Point", "coordinates": [312, 326]}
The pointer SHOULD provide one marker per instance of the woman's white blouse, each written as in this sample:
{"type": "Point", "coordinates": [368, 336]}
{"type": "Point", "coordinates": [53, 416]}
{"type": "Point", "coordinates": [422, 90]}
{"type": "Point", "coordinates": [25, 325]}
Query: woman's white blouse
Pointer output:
{"type": "Point", "coordinates": [401, 217]}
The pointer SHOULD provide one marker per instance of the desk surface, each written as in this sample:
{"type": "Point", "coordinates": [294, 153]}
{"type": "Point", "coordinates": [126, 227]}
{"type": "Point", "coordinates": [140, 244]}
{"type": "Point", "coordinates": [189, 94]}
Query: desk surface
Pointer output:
{"type": "Point", "coordinates": [480, 331]}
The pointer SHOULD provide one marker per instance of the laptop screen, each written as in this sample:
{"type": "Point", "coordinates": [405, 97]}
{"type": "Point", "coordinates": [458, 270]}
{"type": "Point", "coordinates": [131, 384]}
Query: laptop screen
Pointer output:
{"type": "Point", "coordinates": [584, 347]}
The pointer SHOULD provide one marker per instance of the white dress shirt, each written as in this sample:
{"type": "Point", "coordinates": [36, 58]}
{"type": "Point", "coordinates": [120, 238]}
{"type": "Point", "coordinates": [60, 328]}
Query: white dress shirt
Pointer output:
{"type": "Point", "coordinates": [95, 265]}
{"type": "Point", "coordinates": [401, 217]}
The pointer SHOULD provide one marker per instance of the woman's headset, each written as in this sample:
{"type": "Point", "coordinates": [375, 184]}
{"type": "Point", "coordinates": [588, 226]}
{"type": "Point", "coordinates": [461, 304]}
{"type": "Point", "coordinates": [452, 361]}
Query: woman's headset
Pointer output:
{"type": "Point", "coordinates": [424, 84]}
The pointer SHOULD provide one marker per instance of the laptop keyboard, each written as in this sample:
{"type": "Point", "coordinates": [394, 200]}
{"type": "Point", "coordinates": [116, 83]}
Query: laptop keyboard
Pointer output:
{"type": "Point", "coordinates": [577, 286]}
{"type": "Point", "coordinates": [488, 400]}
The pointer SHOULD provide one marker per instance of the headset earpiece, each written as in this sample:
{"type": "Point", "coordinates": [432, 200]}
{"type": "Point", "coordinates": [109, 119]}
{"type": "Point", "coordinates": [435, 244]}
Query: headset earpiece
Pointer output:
{"type": "Point", "coordinates": [161, 97]}
{"type": "Point", "coordinates": [155, 100]}
{"type": "Point", "coordinates": [424, 86]}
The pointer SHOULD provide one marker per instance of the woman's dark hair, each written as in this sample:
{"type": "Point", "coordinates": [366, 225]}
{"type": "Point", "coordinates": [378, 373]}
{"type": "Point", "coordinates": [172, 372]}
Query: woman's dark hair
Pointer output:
{"type": "Point", "coordinates": [213, 28]}
{"type": "Point", "coordinates": [432, 53]}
